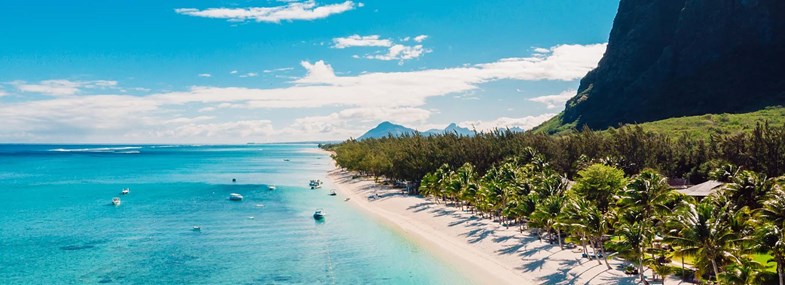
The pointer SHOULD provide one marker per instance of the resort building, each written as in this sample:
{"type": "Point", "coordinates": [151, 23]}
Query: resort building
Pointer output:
{"type": "Point", "coordinates": [702, 190]}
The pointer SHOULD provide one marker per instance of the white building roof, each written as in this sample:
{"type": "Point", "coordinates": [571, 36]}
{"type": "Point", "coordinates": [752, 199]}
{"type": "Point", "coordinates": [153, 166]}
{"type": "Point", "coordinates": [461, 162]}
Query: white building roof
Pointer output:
{"type": "Point", "coordinates": [703, 189]}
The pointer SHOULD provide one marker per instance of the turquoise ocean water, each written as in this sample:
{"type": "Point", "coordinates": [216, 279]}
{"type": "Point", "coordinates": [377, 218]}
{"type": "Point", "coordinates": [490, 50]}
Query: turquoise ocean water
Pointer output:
{"type": "Point", "coordinates": [57, 224]}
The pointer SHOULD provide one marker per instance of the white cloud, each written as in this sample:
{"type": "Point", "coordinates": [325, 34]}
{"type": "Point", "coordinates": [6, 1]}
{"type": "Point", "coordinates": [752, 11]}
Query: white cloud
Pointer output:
{"type": "Point", "coordinates": [401, 52]}
{"type": "Point", "coordinates": [241, 129]}
{"type": "Point", "coordinates": [420, 38]}
{"type": "Point", "coordinates": [394, 51]}
{"type": "Point", "coordinates": [361, 41]}
{"type": "Point", "coordinates": [62, 87]}
{"type": "Point", "coordinates": [353, 122]}
{"type": "Point", "coordinates": [205, 75]}
{"type": "Point", "coordinates": [321, 87]}
{"type": "Point", "coordinates": [363, 98]}
{"type": "Point", "coordinates": [292, 11]}
{"type": "Point", "coordinates": [250, 74]}
{"type": "Point", "coordinates": [525, 123]}
{"type": "Point", "coordinates": [541, 50]}
{"type": "Point", "coordinates": [551, 101]}
{"type": "Point", "coordinates": [278, 69]}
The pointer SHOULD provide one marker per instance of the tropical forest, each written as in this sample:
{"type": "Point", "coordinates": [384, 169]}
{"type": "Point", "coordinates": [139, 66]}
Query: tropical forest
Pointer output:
{"type": "Point", "coordinates": [608, 193]}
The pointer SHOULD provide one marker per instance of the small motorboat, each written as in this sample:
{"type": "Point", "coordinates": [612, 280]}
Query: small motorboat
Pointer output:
{"type": "Point", "coordinates": [347, 199]}
{"type": "Point", "coordinates": [319, 214]}
{"type": "Point", "coordinates": [332, 193]}
{"type": "Point", "coordinates": [197, 229]}
{"type": "Point", "coordinates": [286, 160]}
{"type": "Point", "coordinates": [235, 197]}
{"type": "Point", "coordinates": [125, 191]}
{"type": "Point", "coordinates": [315, 184]}
{"type": "Point", "coordinates": [116, 201]}
{"type": "Point", "coordinates": [271, 187]}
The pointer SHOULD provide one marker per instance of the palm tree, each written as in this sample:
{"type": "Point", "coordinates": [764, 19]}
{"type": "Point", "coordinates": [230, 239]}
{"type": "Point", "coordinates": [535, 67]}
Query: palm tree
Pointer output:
{"type": "Point", "coordinates": [589, 221]}
{"type": "Point", "coordinates": [772, 233]}
{"type": "Point", "coordinates": [631, 243]}
{"type": "Point", "coordinates": [745, 273]}
{"type": "Point", "coordinates": [703, 231]}
{"type": "Point", "coordinates": [649, 195]}
{"type": "Point", "coordinates": [465, 184]}
{"type": "Point", "coordinates": [548, 214]}
{"type": "Point", "coordinates": [748, 189]}
{"type": "Point", "coordinates": [661, 269]}
{"type": "Point", "coordinates": [435, 183]}
{"type": "Point", "coordinates": [429, 186]}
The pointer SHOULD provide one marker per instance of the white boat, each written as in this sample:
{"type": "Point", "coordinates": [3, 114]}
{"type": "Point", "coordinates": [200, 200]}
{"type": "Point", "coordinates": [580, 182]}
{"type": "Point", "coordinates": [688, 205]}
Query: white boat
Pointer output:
{"type": "Point", "coordinates": [116, 201]}
{"type": "Point", "coordinates": [125, 191]}
{"type": "Point", "coordinates": [235, 197]}
{"type": "Point", "coordinates": [315, 184]}
{"type": "Point", "coordinates": [332, 193]}
{"type": "Point", "coordinates": [271, 187]}
{"type": "Point", "coordinates": [197, 229]}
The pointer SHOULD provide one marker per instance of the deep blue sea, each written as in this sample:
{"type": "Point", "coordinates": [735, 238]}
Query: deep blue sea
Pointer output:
{"type": "Point", "coordinates": [57, 224]}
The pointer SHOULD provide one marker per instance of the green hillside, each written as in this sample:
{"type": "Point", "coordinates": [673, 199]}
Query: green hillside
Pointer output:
{"type": "Point", "coordinates": [701, 126]}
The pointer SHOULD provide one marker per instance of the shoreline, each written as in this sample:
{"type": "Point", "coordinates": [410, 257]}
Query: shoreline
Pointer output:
{"type": "Point", "coordinates": [476, 267]}
{"type": "Point", "coordinates": [486, 252]}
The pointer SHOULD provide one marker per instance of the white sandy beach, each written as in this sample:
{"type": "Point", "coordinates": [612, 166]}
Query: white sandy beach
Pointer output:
{"type": "Point", "coordinates": [487, 252]}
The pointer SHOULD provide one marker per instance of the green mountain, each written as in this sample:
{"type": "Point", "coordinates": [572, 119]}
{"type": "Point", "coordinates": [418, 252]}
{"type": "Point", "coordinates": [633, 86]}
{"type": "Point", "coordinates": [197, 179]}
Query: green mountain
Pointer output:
{"type": "Point", "coordinates": [679, 58]}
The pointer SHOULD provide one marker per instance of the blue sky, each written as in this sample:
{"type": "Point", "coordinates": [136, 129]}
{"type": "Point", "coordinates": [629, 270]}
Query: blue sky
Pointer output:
{"type": "Point", "coordinates": [264, 71]}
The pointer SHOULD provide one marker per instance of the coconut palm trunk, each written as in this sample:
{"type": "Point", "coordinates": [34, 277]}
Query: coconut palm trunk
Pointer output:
{"type": "Point", "coordinates": [604, 256]}
{"type": "Point", "coordinates": [596, 256]}
{"type": "Point", "coordinates": [716, 270]}
{"type": "Point", "coordinates": [683, 272]}
{"type": "Point", "coordinates": [640, 265]}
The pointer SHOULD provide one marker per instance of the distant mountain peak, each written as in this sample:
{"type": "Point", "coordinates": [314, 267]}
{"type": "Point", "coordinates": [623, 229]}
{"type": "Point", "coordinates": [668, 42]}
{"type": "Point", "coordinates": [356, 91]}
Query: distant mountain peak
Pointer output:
{"type": "Point", "coordinates": [386, 128]}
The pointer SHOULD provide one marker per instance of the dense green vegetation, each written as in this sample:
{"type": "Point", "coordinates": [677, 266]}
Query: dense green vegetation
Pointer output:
{"type": "Point", "coordinates": [698, 127]}
{"type": "Point", "coordinates": [704, 126]}
{"type": "Point", "coordinates": [629, 148]}
{"type": "Point", "coordinates": [620, 191]}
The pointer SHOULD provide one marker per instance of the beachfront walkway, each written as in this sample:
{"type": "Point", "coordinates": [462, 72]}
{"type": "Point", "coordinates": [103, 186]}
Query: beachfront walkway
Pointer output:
{"type": "Point", "coordinates": [468, 236]}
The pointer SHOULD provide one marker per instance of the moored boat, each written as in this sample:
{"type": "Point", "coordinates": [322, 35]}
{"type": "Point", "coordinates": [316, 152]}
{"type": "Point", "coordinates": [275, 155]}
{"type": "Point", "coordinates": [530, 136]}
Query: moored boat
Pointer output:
{"type": "Point", "coordinates": [116, 201]}
{"type": "Point", "coordinates": [235, 197]}
{"type": "Point", "coordinates": [319, 214]}
{"type": "Point", "coordinates": [315, 184]}
{"type": "Point", "coordinates": [125, 191]}
{"type": "Point", "coordinates": [332, 193]}
{"type": "Point", "coordinates": [271, 187]}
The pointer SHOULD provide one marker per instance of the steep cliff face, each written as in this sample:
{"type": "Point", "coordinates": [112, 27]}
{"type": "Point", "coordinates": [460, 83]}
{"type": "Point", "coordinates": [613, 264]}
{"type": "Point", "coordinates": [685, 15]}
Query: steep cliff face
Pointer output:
{"type": "Point", "coordinates": [670, 58]}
